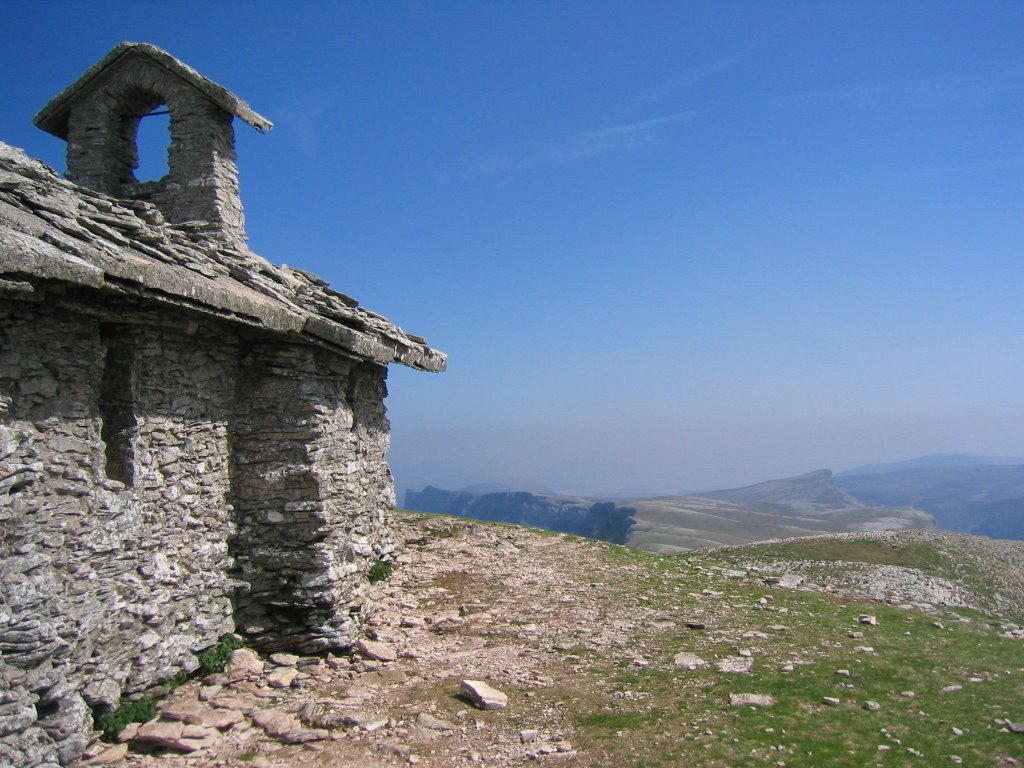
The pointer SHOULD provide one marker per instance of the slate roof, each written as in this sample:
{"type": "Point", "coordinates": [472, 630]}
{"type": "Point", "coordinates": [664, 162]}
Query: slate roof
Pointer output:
{"type": "Point", "coordinates": [54, 230]}
{"type": "Point", "coordinates": [53, 118]}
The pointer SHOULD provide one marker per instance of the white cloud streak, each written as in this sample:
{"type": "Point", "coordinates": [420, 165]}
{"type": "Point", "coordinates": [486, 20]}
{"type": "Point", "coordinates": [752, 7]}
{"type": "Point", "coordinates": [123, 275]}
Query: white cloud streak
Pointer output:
{"type": "Point", "coordinates": [615, 139]}
{"type": "Point", "coordinates": [301, 121]}
{"type": "Point", "coordinates": [950, 89]}
{"type": "Point", "coordinates": [689, 78]}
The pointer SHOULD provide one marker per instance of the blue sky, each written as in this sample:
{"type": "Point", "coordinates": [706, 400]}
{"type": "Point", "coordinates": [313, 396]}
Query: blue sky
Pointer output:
{"type": "Point", "coordinates": [667, 245]}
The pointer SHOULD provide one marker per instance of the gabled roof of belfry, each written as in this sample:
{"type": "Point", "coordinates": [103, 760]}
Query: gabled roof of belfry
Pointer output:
{"type": "Point", "coordinates": [53, 118]}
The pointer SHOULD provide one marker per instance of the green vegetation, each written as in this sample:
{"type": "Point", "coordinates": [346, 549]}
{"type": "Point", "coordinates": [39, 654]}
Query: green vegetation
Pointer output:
{"type": "Point", "coordinates": [962, 673]}
{"type": "Point", "coordinates": [144, 709]}
{"type": "Point", "coordinates": [216, 659]}
{"type": "Point", "coordinates": [609, 723]}
{"type": "Point", "coordinates": [911, 554]}
{"type": "Point", "coordinates": [909, 654]}
{"type": "Point", "coordinates": [380, 571]}
{"type": "Point", "coordinates": [179, 679]}
{"type": "Point", "coordinates": [112, 722]}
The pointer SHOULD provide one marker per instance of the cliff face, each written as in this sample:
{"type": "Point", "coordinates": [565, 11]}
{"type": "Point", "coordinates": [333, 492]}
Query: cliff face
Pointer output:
{"type": "Point", "coordinates": [603, 520]}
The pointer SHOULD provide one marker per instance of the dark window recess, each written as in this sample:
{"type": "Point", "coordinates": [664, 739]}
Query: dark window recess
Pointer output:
{"type": "Point", "coordinates": [116, 411]}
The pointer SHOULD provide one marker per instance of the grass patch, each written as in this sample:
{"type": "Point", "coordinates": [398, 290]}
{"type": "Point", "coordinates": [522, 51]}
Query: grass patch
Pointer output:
{"type": "Point", "coordinates": [923, 556]}
{"type": "Point", "coordinates": [614, 721]}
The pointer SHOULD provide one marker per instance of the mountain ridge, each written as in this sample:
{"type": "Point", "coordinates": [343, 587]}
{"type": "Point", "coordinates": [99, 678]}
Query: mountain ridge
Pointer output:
{"type": "Point", "coordinates": [815, 490]}
{"type": "Point", "coordinates": [806, 505]}
{"type": "Point", "coordinates": [987, 500]}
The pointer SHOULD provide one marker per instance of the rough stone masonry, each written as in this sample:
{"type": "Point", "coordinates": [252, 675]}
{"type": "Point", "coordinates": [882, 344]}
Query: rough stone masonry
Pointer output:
{"type": "Point", "coordinates": [192, 440]}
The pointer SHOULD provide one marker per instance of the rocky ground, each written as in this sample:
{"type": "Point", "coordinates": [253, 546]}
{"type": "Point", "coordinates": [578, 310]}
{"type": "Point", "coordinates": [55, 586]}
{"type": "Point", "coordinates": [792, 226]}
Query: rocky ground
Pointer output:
{"type": "Point", "coordinates": [545, 620]}
{"type": "Point", "coordinates": [397, 700]}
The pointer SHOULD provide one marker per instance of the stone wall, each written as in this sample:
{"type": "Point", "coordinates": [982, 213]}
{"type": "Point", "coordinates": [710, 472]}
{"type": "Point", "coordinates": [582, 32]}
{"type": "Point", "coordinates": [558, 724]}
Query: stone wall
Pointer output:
{"type": "Point", "coordinates": [312, 490]}
{"type": "Point", "coordinates": [162, 478]}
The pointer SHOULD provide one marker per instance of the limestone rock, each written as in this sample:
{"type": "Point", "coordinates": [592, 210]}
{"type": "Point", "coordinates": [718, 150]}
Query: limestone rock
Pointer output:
{"type": "Point", "coordinates": [282, 678]}
{"type": "Point", "coordinates": [221, 719]}
{"type": "Point", "coordinates": [376, 651]}
{"type": "Point", "coordinates": [428, 721]}
{"type": "Point", "coordinates": [751, 700]}
{"type": "Point", "coordinates": [787, 581]}
{"type": "Point", "coordinates": [186, 711]}
{"type": "Point", "coordinates": [324, 714]}
{"type": "Point", "coordinates": [244, 664]}
{"type": "Point", "coordinates": [110, 756]}
{"type": "Point", "coordinates": [208, 692]}
{"type": "Point", "coordinates": [161, 733]}
{"type": "Point", "coordinates": [483, 695]}
{"type": "Point", "coordinates": [285, 727]}
{"type": "Point", "coordinates": [689, 661]}
{"type": "Point", "coordinates": [735, 665]}
{"type": "Point", "coordinates": [176, 735]}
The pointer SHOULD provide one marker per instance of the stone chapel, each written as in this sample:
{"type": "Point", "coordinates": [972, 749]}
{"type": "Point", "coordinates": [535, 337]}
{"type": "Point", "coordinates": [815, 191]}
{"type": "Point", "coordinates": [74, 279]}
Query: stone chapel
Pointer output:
{"type": "Point", "coordinates": [192, 440]}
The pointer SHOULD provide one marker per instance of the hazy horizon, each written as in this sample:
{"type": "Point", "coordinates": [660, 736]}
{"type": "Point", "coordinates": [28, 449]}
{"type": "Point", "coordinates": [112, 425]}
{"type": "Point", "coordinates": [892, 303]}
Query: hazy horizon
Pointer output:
{"type": "Point", "coordinates": [520, 483]}
{"type": "Point", "coordinates": [666, 246]}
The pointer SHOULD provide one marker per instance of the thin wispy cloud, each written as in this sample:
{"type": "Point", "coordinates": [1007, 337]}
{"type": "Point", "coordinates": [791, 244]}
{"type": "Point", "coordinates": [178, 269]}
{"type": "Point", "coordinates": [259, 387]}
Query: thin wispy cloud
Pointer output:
{"type": "Point", "coordinates": [587, 145]}
{"type": "Point", "coordinates": [301, 120]}
{"type": "Point", "coordinates": [871, 95]}
{"type": "Point", "coordinates": [949, 89]}
{"type": "Point", "coordinates": [705, 70]}
{"type": "Point", "coordinates": [689, 78]}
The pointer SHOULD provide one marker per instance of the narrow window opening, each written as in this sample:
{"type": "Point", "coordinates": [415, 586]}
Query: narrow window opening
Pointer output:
{"type": "Point", "coordinates": [152, 144]}
{"type": "Point", "coordinates": [115, 406]}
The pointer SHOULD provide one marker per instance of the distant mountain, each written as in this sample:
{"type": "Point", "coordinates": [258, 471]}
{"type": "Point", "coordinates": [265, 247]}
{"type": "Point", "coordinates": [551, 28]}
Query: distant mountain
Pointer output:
{"type": "Point", "coordinates": [933, 460]}
{"type": "Point", "coordinates": [813, 491]}
{"type": "Point", "coordinates": [987, 500]}
{"type": "Point", "coordinates": [801, 506]}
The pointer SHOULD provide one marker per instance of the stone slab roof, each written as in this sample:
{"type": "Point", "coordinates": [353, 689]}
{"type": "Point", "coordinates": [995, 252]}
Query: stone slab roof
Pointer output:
{"type": "Point", "coordinates": [53, 230]}
{"type": "Point", "coordinates": [53, 118]}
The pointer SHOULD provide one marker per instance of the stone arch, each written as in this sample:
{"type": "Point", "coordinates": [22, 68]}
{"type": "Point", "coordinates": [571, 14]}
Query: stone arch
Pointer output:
{"type": "Point", "coordinates": [152, 145]}
{"type": "Point", "coordinates": [136, 105]}
{"type": "Point", "coordinates": [132, 106]}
